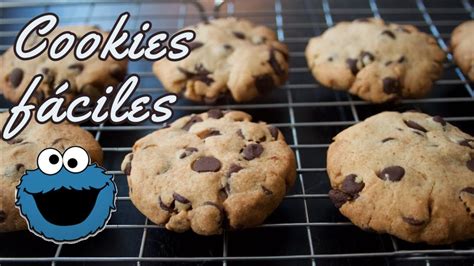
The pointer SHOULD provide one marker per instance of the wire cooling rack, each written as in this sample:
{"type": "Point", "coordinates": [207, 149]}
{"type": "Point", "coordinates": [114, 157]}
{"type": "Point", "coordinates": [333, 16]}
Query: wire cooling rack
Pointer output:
{"type": "Point", "coordinates": [306, 229]}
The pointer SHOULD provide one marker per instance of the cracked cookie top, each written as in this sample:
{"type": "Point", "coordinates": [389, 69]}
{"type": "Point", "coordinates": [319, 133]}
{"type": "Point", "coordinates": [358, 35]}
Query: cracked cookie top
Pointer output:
{"type": "Point", "coordinates": [86, 77]}
{"type": "Point", "coordinates": [407, 174]}
{"type": "Point", "coordinates": [375, 60]}
{"type": "Point", "coordinates": [228, 55]}
{"type": "Point", "coordinates": [210, 171]}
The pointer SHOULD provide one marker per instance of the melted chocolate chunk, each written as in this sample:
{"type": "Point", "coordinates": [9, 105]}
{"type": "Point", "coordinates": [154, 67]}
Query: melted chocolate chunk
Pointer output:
{"type": "Point", "coordinates": [387, 139]}
{"type": "Point", "coordinates": [352, 64]}
{"type": "Point", "coordinates": [194, 119]}
{"type": "Point", "coordinates": [391, 85]}
{"type": "Point", "coordinates": [440, 120]}
{"type": "Point", "coordinates": [415, 125]}
{"type": "Point", "coordinates": [165, 207]}
{"type": "Point", "coordinates": [470, 164]}
{"type": "Point", "coordinates": [180, 198]}
{"type": "Point", "coordinates": [252, 151]}
{"type": "Point", "coordinates": [239, 35]}
{"type": "Point", "coordinates": [401, 59]}
{"type": "Point", "coordinates": [195, 45]}
{"type": "Point", "coordinates": [469, 190]}
{"type": "Point", "coordinates": [412, 221]}
{"type": "Point", "coordinates": [273, 131]}
{"type": "Point", "coordinates": [187, 151]}
{"type": "Point", "coordinates": [3, 216]}
{"type": "Point", "coordinates": [206, 164]}
{"type": "Point", "coordinates": [78, 67]}
{"type": "Point", "coordinates": [274, 63]}
{"type": "Point", "coordinates": [350, 186]}
{"type": "Point", "coordinates": [15, 77]}
{"type": "Point", "coordinates": [215, 113]}
{"type": "Point", "coordinates": [392, 173]}
{"type": "Point", "coordinates": [200, 74]}
{"type": "Point", "coordinates": [234, 168]}
{"type": "Point", "coordinates": [338, 197]}
{"type": "Point", "coordinates": [389, 34]}
{"type": "Point", "coordinates": [266, 190]}
{"type": "Point", "coordinates": [264, 83]}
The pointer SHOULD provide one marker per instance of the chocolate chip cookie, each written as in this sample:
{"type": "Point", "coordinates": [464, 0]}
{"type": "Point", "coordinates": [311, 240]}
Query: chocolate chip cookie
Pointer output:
{"type": "Point", "coordinates": [228, 55]}
{"type": "Point", "coordinates": [375, 60]}
{"type": "Point", "coordinates": [210, 171]}
{"type": "Point", "coordinates": [462, 45]}
{"type": "Point", "coordinates": [88, 77]}
{"type": "Point", "coordinates": [407, 174]}
{"type": "Point", "coordinates": [20, 154]}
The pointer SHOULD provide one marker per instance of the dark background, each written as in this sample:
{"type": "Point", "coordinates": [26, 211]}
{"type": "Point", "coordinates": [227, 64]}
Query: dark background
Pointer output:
{"type": "Point", "coordinates": [306, 229]}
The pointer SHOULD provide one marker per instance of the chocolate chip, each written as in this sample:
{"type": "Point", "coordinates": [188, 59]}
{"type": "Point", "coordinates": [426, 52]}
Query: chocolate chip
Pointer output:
{"type": "Point", "coordinates": [387, 139]}
{"type": "Point", "coordinates": [274, 63]}
{"type": "Point", "coordinates": [3, 216]}
{"type": "Point", "coordinates": [350, 186]}
{"type": "Point", "coordinates": [240, 134]}
{"type": "Point", "coordinates": [195, 45]}
{"type": "Point", "coordinates": [469, 190]}
{"type": "Point", "coordinates": [239, 34]}
{"type": "Point", "coordinates": [389, 34]}
{"type": "Point", "coordinates": [440, 120]}
{"type": "Point", "coordinates": [352, 63]}
{"type": "Point", "coordinates": [470, 164]}
{"type": "Point", "coordinates": [180, 198]}
{"type": "Point", "coordinates": [266, 190]}
{"type": "Point", "coordinates": [165, 207]}
{"type": "Point", "coordinates": [414, 125]}
{"type": "Point", "coordinates": [388, 63]}
{"type": "Point", "coordinates": [392, 173]}
{"type": "Point", "coordinates": [391, 85]}
{"type": "Point", "coordinates": [252, 151]}
{"type": "Point", "coordinates": [264, 83]}
{"type": "Point", "coordinates": [234, 168]}
{"type": "Point", "coordinates": [19, 166]}
{"type": "Point", "coordinates": [466, 143]}
{"type": "Point", "coordinates": [338, 197]}
{"type": "Point", "coordinates": [15, 77]}
{"type": "Point", "coordinates": [117, 73]}
{"type": "Point", "coordinates": [209, 133]}
{"type": "Point", "coordinates": [215, 113]}
{"type": "Point", "coordinates": [200, 74]}
{"type": "Point", "coordinates": [15, 141]}
{"type": "Point", "coordinates": [39, 96]}
{"type": "Point", "coordinates": [128, 166]}
{"type": "Point", "coordinates": [412, 221]}
{"type": "Point", "coordinates": [187, 151]}
{"type": "Point", "coordinates": [206, 164]}
{"type": "Point", "coordinates": [228, 47]}
{"type": "Point", "coordinates": [194, 119]}
{"type": "Point", "coordinates": [273, 131]}
{"type": "Point", "coordinates": [78, 67]}
{"type": "Point", "coordinates": [401, 59]}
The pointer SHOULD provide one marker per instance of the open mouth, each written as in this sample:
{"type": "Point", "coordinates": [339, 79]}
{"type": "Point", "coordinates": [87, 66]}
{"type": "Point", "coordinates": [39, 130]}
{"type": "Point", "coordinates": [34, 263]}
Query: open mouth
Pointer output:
{"type": "Point", "coordinates": [66, 206]}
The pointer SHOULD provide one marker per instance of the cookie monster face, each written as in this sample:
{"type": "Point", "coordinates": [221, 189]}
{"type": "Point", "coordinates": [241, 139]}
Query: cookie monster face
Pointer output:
{"type": "Point", "coordinates": [66, 199]}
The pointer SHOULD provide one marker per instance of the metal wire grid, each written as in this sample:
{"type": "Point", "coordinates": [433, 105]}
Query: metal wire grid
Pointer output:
{"type": "Point", "coordinates": [392, 255]}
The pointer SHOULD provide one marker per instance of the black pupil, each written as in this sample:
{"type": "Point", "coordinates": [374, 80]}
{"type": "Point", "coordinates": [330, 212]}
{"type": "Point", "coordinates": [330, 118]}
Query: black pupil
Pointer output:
{"type": "Point", "coordinates": [53, 159]}
{"type": "Point", "coordinates": [72, 163]}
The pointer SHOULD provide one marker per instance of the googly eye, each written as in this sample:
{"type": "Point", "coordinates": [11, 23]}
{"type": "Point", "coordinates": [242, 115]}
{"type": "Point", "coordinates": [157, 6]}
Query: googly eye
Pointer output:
{"type": "Point", "coordinates": [50, 161]}
{"type": "Point", "coordinates": [76, 159]}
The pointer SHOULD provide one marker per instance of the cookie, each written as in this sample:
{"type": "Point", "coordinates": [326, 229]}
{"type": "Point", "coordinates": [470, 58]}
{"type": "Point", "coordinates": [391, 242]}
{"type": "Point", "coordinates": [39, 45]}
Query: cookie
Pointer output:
{"type": "Point", "coordinates": [88, 77]}
{"type": "Point", "coordinates": [20, 154]}
{"type": "Point", "coordinates": [462, 46]}
{"type": "Point", "coordinates": [407, 174]}
{"type": "Point", "coordinates": [210, 171]}
{"type": "Point", "coordinates": [228, 55]}
{"type": "Point", "coordinates": [375, 60]}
